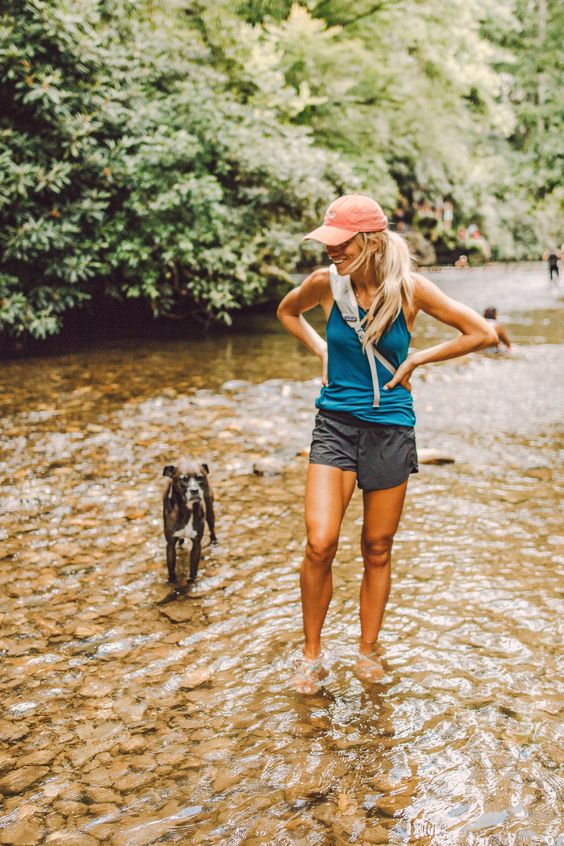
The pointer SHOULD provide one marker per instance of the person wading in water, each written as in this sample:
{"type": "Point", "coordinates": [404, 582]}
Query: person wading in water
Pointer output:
{"type": "Point", "coordinates": [364, 425]}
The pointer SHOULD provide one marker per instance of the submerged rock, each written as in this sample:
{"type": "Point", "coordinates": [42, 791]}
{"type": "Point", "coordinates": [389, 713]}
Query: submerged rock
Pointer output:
{"type": "Point", "coordinates": [24, 833]}
{"type": "Point", "coordinates": [19, 780]}
{"type": "Point", "coordinates": [275, 464]}
{"type": "Point", "coordinates": [270, 465]}
{"type": "Point", "coordinates": [194, 678]}
{"type": "Point", "coordinates": [178, 612]}
{"type": "Point", "coordinates": [433, 456]}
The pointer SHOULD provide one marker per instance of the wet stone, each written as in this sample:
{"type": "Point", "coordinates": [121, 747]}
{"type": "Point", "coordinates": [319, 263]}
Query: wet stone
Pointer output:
{"type": "Point", "coordinates": [172, 758]}
{"type": "Point", "coordinates": [19, 780]}
{"type": "Point", "coordinates": [103, 831]}
{"type": "Point", "coordinates": [24, 833]}
{"type": "Point", "coordinates": [27, 809]}
{"type": "Point", "coordinates": [117, 770]}
{"type": "Point", "coordinates": [71, 838]}
{"type": "Point", "coordinates": [377, 835]}
{"type": "Point", "coordinates": [102, 809]}
{"type": "Point", "coordinates": [100, 795]}
{"type": "Point", "coordinates": [55, 787]}
{"type": "Point", "coordinates": [390, 805]}
{"type": "Point", "coordinates": [143, 762]}
{"type": "Point", "coordinates": [40, 756]}
{"type": "Point", "coordinates": [142, 834]}
{"type": "Point", "coordinates": [133, 743]}
{"type": "Point", "coordinates": [54, 822]}
{"type": "Point", "coordinates": [100, 760]}
{"type": "Point", "coordinates": [194, 678]}
{"type": "Point", "coordinates": [85, 753]}
{"type": "Point", "coordinates": [70, 809]}
{"type": "Point", "coordinates": [100, 777]}
{"type": "Point", "coordinates": [132, 781]}
{"type": "Point", "coordinates": [13, 731]}
{"type": "Point", "coordinates": [224, 779]}
{"type": "Point", "coordinates": [297, 824]}
{"type": "Point", "coordinates": [324, 813]}
{"type": "Point", "coordinates": [178, 612]}
{"type": "Point", "coordinates": [269, 466]}
{"type": "Point", "coordinates": [434, 456]}
{"type": "Point", "coordinates": [96, 688]}
{"type": "Point", "coordinates": [130, 710]}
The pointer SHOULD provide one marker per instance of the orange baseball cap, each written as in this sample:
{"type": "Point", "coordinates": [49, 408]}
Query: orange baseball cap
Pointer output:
{"type": "Point", "coordinates": [346, 216]}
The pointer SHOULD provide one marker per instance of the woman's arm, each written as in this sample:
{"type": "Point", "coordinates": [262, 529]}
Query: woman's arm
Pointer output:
{"type": "Point", "coordinates": [475, 332]}
{"type": "Point", "coordinates": [314, 290]}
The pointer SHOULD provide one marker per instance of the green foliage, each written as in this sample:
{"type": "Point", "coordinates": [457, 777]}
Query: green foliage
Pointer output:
{"type": "Point", "coordinates": [174, 151]}
{"type": "Point", "coordinates": [533, 80]}
{"type": "Point", "coordinates": [419, 97]}
{"type": "Point", "coordinates": [130, 169]}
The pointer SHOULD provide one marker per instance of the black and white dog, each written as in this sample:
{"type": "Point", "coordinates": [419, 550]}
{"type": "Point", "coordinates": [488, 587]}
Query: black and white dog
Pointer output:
{"type": "Point", "coordinates": [187, 502]}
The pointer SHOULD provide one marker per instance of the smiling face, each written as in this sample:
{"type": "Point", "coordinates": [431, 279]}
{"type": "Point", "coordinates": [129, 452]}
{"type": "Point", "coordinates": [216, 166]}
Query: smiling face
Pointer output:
{"type": "Point", "coordinates": [345, 254]}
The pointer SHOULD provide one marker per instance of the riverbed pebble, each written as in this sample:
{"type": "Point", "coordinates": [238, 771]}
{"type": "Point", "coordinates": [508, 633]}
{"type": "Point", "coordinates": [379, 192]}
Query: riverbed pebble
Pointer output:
{"type": "Point", "coordinates": [25, 833]}
{"type": "Point", "coordinates": [18, 780]}
{"type": "Point", "coordinates": [434, 456]}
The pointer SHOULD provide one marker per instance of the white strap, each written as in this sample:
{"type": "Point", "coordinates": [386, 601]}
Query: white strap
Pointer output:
{"type": "Point", "coordinates": [343, 295]}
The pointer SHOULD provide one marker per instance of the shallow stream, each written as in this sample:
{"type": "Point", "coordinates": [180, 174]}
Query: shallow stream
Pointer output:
{"type": "Point", "coordinates": [135, 715]}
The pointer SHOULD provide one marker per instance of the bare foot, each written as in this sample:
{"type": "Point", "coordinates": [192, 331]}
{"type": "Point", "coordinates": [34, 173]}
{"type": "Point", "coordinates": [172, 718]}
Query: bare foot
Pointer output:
{"type": "Point", "coordinates": [369, 667]}
{"type": "Point", "coordinates": [307, 674]}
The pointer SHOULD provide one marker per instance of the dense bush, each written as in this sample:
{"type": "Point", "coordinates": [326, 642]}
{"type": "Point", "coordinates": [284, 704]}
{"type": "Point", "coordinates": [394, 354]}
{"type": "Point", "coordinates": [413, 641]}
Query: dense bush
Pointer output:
{"type": "Point", "coordinates": [172, 151]}
{"type": "Point", "coordinates": [128, 168]}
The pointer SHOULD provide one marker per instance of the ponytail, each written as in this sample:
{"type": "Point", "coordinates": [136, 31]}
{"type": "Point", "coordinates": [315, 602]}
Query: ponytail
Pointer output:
{"type": "Point", "coordinates": [385, 254]}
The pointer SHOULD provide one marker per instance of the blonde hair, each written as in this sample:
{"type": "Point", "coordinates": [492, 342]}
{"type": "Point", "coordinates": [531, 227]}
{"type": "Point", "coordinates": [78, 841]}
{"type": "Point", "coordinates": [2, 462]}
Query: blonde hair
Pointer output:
{"type": "Point", "coordinates": [385, 255]}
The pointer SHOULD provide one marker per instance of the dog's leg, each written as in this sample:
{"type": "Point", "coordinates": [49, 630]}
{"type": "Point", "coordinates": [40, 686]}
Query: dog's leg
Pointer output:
{"type": "Point", "coordinates": [210, 516]}
{"type": "Point", "coordinates": [195, 554]}
{"type": "Point", "coordinates": [171, 559]}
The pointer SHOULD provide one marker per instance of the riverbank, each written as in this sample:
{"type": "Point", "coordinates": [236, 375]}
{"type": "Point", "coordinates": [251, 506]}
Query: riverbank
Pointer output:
{"type": "Point", "coordinates": [108, 321]}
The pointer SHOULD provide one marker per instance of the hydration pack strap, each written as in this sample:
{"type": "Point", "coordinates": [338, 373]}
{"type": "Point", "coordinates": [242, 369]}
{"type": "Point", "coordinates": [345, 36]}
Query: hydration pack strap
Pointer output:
{"type": "Point", "coordinates": [343, 295]}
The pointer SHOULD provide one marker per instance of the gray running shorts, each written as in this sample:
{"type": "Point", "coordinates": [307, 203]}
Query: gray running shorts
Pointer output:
{"type": "Point", "coordinates": [381, 456]}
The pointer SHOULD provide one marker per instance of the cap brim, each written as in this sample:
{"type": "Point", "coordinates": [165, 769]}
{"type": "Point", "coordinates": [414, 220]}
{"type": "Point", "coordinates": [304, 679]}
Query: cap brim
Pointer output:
{"type": "Point", "coordinates": [330, 235]}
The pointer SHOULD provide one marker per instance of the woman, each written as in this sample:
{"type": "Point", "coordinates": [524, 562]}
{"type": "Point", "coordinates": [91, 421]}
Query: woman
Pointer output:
{"type": "Point", "coordinates": [364, 426]}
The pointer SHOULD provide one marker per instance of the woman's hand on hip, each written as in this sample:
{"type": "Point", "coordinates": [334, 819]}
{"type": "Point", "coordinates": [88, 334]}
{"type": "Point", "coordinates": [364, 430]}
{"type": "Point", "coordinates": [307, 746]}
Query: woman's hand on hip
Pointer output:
{"type": "Point", "coordinates": [402, 375]}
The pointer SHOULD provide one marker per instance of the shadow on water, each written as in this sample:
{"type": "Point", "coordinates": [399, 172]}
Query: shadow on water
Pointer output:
{"type": "Point", "coordinates": [135, 715]}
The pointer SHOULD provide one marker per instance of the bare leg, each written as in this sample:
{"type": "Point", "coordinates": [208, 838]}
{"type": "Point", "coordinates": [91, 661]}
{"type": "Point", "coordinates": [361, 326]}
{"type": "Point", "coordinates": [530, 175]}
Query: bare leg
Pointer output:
{"type": "Point", "coordinates": [382, 512]}
{"type": "Point", "coordinates": [328, 493]}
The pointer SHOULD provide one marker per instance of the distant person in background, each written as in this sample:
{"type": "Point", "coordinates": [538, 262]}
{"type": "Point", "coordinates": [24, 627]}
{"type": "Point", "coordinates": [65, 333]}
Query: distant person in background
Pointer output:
{"type": "Point", "coordinates": [490, 314]}
{"type": "Point", "coordinates": [462, 261]}
{"type": "Point", "coordinates": [448, 214]}
{"type": "Point", "coordinates": [552, 256]}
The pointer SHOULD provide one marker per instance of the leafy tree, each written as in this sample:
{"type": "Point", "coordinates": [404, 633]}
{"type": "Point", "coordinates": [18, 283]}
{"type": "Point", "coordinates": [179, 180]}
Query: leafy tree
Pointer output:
{"type": "Point", "coordinates": [533, 79]}
{"type": "Point", "coordinates": [130, 169]}
{"type": "Point", "coordinates": [165, 150]}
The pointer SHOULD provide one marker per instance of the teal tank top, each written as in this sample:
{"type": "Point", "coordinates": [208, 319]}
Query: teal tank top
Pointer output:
{"type": "Point", "coordinates": [349, 385]}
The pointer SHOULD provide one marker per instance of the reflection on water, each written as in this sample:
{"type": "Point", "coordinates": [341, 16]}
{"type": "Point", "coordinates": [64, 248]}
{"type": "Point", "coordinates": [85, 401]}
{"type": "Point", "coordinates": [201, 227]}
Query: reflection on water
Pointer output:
{"type": "Point", "coordinates": [133, 715]}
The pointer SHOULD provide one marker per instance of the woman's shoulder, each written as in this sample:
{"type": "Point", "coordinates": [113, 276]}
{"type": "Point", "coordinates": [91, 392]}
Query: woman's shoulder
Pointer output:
{"type": "Point", "coordinates": [422, 288]}
{"type": "Point", "coordinates": [318, 276]}
{"type": "Point", "coordinates": [419, 280]}
{"type": "Point", "coordinates": [317, 280]}
{"type": "Point", "coordinates": [317, 286]}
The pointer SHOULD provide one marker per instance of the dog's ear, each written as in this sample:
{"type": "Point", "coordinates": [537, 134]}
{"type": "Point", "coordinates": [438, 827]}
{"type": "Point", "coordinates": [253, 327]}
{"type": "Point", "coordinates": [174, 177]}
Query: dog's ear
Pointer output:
{"type": "Point", "coordinates": [205, 466]}
{"type": "Point", "coordinates": [169, 470]}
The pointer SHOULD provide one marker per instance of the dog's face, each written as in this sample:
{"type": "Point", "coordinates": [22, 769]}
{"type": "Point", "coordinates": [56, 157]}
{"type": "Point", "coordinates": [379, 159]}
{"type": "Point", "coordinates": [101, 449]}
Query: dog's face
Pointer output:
{"type": "Point", "coordinates": [188, 478]}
